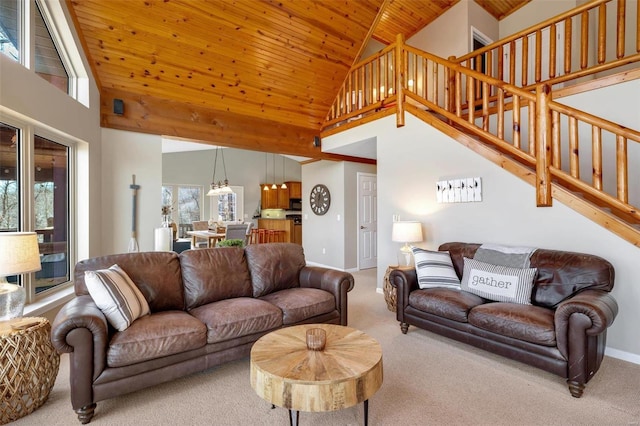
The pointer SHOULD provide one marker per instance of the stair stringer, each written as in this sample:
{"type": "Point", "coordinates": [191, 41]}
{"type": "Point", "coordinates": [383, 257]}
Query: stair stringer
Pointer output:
{"type": "Point", "coordinates": [591, 211]}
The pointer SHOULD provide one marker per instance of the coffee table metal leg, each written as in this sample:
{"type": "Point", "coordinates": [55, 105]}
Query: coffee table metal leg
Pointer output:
{"type": "Point", "coordinates": [366, 412]}
{"type": "Point", "coordinates": [293, 417]}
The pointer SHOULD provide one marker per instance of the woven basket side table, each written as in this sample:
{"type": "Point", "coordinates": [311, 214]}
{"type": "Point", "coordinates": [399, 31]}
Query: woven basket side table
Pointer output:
{"type": "Point", "coordinates": [29, 366]}
{"type": "Point", "coordinates": [389, 291]}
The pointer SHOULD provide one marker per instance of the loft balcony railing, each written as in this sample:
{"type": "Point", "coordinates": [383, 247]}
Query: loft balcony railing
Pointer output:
{"type": "Point", "coordinates": [590, 39]}
{"type": "Point", "coordinates": [584, 153]}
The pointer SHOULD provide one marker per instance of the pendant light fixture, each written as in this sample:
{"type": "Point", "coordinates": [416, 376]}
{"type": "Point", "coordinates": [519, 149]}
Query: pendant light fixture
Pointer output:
{"type": "Point", "coordinates": [273, 185]}
{"type": "Point", "coordinates": [284, 185]}
{"type": "Point", "coordinates": [266, 187]}
{"type": "Point", "coordinates": [224, 189]}
{"type": "Point", "coordinates": [213, 189]}
{"type": "Point", "coordinates": [219, 188]}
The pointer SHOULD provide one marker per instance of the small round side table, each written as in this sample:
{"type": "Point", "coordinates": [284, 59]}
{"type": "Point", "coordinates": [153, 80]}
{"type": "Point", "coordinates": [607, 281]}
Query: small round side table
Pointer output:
{"type": "Point", "coordinates": [390, 291]}
{"type": "Point", "coordinates": [29, 366]}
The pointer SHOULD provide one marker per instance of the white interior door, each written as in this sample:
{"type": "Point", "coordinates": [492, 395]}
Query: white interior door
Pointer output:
{"type": "Point", "coordinates": [367, 221]}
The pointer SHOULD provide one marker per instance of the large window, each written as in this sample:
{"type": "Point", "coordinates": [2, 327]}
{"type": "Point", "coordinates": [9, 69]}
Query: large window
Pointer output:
{"type": "Point", "coordinates": [184, 203]}
{"type": "Point", "coordinates": [35, 196]}
{"type": "Point", "coordinates": [49, 59]}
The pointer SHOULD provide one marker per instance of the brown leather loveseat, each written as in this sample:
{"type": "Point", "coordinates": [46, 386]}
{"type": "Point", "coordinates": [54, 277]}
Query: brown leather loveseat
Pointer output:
{"type": "Point", "coordinates": [562, 331]}
{"type": "Point", "coordinates": [207, 307]}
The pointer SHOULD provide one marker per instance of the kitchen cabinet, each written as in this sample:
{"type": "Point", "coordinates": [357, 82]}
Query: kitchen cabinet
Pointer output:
{"type": "Point", "coordinates": [295, 189]}
{"type": "Point", "coordinates": [283, 198]}
{"type": "Point", "coordinates": [297, 233]}
{"type": "Point", "coordinates": [277, 198]}
{"type": "Point", "coordinates": [269, 198]}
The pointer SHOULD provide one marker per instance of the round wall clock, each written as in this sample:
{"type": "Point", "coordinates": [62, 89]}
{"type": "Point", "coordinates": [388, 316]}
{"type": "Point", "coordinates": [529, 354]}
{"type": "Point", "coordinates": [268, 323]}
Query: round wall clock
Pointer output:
{"type": "Point", "coordinates": [320, 199]}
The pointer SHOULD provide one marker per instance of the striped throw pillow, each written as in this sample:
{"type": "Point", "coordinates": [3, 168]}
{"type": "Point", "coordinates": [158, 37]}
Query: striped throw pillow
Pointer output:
{"type": "Point", "coordinates": [116, 296]}
{"type": "Point", "coordinates": [434, 269]}
{"type": "Point", "coordinates": [498, 283]}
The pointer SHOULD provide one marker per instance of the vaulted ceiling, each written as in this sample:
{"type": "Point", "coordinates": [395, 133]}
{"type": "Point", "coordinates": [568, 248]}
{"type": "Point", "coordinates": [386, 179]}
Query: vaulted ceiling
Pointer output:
{"type": "Point", "coordinates": [253, 74]}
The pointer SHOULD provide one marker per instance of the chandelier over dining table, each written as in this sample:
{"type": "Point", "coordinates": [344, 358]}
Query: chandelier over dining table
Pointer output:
{"type": "Point", "coordinates": [220, 187]}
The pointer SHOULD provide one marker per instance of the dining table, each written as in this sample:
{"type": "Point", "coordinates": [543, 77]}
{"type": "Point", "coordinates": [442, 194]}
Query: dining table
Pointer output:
{"type": "Point", "coordinates": [212, 237]}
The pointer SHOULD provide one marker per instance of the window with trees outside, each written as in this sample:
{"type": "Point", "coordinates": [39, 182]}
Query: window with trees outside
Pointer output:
{"type": "Point", "coordinates": [47, 62]}
{"type": "Point", "coordinates": [228, 207]}
{"type": "Point", "coordinates": [183, 203]}
{"type": "Point", "coordinates": [39, 190]}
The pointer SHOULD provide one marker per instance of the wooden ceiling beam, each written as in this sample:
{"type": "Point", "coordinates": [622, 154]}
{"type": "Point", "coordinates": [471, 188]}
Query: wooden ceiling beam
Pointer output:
{"type": "Point", "coordinates": [146, 114]}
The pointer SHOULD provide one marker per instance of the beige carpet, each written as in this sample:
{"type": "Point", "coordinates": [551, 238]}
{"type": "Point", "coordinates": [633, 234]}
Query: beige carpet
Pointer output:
{"type": "Point", "coordinates": [428, 380]}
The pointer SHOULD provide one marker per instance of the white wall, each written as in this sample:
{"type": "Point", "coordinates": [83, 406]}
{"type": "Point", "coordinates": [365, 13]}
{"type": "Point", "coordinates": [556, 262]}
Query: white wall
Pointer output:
{"type": "Point", "coordinates": [483, 21]}
{"type": "Point", "coordinates": [447, 35]}
{"type": "Point", "coordinates": [532, 13]}
{"type": "Point", "coordinates": [125, 154]}
{"type": "Point", "coordinates": [324, 233]}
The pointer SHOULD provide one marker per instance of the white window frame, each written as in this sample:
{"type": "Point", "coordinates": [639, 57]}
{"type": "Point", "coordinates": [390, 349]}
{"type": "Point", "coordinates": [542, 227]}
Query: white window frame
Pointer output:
{"type": "Point", "coordinates": [28, 131]}
{"type": "Point", "coordinates": [63, 39]}
{"type": "Point", "coordinates": [214, 201]}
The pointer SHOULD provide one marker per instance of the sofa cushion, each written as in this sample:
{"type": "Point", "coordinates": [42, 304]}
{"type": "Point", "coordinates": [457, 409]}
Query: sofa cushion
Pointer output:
{"type": "Point", "coordinates": [434, 269]}
{"type": "Point", "coordinates": [562, 274]}
{"type": "Point", "coordinates": [241, 316]}
{"type": "Point", "coordinates": [117, 296]}
{"type": "Point", "coordinates": [523, 322]}
{"type": "Point", "coordinates": [214, 274]}
{"type": "Point", "coordinates": [499, 283]}
{"type": "Point", "coordinates": [453, 304]}
{"type": "Point", "coordinates": [156, 274]}
{"type": "Point", "coordinates": [274, 266]}
{"type": "Point", "coordinates": [299, 304]}
{"type": "Point", "coordinates": [150, 337]}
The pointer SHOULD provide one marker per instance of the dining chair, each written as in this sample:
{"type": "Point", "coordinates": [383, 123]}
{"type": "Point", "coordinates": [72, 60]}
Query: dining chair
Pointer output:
{"type": "Point", "coordinates": [238, 232]}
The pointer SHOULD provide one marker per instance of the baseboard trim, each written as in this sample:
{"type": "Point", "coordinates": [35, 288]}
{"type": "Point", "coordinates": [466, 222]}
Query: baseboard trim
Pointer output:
{"type": "Point", "coordinates": [625, 356]}
{"type": "Point", "coordinates": [324, 266]}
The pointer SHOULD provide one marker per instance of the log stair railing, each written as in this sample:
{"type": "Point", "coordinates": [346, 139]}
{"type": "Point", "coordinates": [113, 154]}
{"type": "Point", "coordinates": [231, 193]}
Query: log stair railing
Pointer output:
{"type": "Point", "coordinates": [540, 140]}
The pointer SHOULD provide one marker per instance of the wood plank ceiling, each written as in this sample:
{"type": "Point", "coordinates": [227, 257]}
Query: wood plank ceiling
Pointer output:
{"type": "Point", "coordinates": [252, 74]}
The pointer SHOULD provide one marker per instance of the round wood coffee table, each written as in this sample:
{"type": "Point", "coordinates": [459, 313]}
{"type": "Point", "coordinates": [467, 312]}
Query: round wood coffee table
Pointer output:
{"type": "Point", "coordinates": [285, 373]}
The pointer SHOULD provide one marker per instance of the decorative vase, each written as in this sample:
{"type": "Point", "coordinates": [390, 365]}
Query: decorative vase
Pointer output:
{"type": "Point", "coordinates": [12, 300]}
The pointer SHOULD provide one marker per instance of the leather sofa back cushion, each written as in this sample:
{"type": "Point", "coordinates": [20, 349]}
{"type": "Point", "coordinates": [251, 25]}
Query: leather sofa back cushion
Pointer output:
{"type": "Point", "coordinates": [274, 266]}
{"type": "Point", "coordinates": [560, 273]}
{"type": "Point", "coordinates": [156, 274]}
{"type": "Point", "coordinates": [210, 275]}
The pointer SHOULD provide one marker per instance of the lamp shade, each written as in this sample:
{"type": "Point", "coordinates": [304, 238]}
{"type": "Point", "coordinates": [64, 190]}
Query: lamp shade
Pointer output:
{"type": "Point", "coordinates": [406, 232]}
{"type": "Point", "coordinates": [19, 253]}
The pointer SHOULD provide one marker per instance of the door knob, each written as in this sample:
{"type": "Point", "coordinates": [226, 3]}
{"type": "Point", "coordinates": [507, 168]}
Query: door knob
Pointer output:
{"type": "Point", "coordinates": [363, 227]}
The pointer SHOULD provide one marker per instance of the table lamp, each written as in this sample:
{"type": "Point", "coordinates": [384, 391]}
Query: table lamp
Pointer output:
{"type": "Point", "coordinates": [18, 255]}
{"type": "Point", "coordinates": [406, 232]}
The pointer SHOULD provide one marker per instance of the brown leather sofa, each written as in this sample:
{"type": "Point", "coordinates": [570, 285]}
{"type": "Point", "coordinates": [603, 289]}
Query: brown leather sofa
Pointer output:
{"type": "Point", "coordinates": [207, 307]}
{"type": "Point", "coordinates": [563, 331]}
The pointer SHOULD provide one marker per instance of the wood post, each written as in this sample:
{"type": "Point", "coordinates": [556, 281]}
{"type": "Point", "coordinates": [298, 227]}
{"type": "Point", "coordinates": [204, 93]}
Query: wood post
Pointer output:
{"type": "Point", "coordinates": [400, 71]}
{"type": "Point", "coordinates": [543, 146]}
{"type": "Point", "coordinates": [450, 88]}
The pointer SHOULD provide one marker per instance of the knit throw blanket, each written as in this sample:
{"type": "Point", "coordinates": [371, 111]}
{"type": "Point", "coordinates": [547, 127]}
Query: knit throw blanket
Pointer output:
{"type": "Point", "coordinates": [495, 254]}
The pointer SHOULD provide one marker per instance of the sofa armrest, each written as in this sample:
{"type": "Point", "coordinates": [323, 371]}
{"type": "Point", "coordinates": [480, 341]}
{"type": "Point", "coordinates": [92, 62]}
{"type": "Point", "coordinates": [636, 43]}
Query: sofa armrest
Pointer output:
{"type": "Point", "coordinates": [80, 328]}
{"type": "Point", "coordinates": [596, 310]}
{"type": "Point", "coordinates": [404, 281]}
{"type": "Point", "coordinates": [338, 283]}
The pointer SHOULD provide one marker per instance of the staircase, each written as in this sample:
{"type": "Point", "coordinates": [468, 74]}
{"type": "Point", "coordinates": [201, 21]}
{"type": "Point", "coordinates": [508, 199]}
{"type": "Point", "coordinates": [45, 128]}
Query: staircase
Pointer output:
{"type": "Point", "coordinates": [485, 101]}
